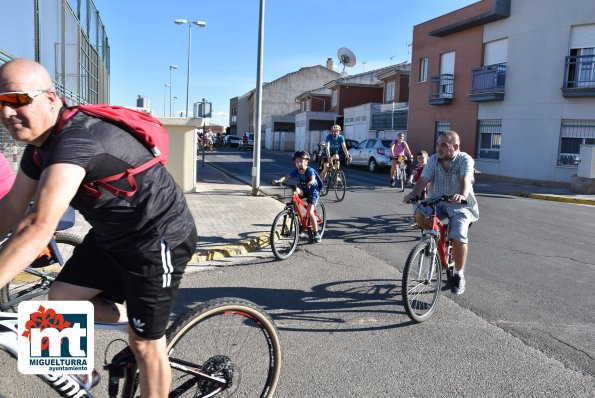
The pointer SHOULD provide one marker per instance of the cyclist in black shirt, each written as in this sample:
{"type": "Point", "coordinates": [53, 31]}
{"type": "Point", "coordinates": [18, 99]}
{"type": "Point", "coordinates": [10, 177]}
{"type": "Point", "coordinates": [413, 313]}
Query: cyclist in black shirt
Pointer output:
{"type": "Point", "coordinates": [138, 246]}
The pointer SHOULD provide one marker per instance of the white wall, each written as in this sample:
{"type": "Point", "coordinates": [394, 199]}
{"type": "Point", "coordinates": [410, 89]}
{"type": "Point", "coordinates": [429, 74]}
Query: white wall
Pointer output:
{"type": "Point", "coordinates": [533, 106]}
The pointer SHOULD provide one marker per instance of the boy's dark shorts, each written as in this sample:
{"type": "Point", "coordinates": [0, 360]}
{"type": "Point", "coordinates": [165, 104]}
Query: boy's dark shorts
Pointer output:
{"type": "Point", "coordinates": [148, 282]}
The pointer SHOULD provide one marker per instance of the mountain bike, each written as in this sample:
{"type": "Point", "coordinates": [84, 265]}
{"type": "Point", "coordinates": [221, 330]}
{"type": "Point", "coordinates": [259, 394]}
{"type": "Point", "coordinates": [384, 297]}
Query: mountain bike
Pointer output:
{"type": "Point", "coordinates": [400, 178]}
{"type": "Point", "coordinates": [291, 222]}
{"type": "Point", "coordinates": [335, 179]}
{"type": "Point", "coordinates": [223, 347]}
{"type": "Point", "coordinates": [35, 280]}
{"type": "Point", "coordinates": [422, 274]}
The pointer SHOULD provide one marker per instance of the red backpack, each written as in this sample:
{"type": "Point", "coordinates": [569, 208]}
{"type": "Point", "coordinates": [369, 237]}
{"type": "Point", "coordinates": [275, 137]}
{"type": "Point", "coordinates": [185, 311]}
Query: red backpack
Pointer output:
{"type": "Point", "coordinates": [145, 128]}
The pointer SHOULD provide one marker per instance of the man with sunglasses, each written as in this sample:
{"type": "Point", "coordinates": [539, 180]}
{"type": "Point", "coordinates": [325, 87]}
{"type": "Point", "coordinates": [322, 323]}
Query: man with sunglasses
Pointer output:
{"type": "Point", "coordinates": [138, 246]}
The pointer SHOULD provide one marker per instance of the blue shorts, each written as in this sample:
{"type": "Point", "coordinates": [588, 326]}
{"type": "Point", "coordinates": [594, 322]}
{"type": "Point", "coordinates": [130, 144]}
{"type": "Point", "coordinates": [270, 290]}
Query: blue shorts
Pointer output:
{"type": "Point", "coordinates": [312, 197]}
{"type": "Point", "coordinates": [458, 222]}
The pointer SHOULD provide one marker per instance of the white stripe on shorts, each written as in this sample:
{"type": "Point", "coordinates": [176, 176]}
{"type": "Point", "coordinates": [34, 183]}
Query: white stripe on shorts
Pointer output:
{"type": "Point", "coordinates": [166, 263]}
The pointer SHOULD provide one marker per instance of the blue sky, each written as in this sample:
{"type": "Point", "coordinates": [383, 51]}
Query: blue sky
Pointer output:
{"type": "Point", "coordinates": [145, 41]}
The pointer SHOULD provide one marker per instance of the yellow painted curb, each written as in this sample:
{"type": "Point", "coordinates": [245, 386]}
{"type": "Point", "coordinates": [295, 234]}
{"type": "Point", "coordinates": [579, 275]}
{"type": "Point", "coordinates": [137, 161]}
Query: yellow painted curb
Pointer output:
{"type": "Point", "coordinates": [220, 252]}
{"type": "Point", "coordinates": [555, 198]}
{"type": "Point", "coordinates": [559, 198]}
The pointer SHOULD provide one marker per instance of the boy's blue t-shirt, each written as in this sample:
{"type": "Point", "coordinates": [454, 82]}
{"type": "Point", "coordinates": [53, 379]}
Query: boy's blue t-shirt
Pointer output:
{"type": "Point", "coordinates": [305, 177]}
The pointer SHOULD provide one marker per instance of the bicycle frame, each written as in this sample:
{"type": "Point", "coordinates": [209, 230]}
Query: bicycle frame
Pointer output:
{"type": "Point", "coordinates": [439, 233]}
{"type": "Point", "coordinates": [440, 243]}
{"type": "Point", "coordinates": [298, 204]}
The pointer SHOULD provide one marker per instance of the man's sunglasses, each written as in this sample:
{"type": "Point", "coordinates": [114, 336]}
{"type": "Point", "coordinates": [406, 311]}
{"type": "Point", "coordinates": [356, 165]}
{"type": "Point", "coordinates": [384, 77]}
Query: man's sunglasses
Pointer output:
{"type": "Point", "coordinates": [16, 99]}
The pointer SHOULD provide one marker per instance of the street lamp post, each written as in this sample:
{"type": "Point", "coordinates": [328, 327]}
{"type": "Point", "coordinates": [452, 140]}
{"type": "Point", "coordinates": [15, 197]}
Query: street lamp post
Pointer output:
{"type": "Point", "coordinates": [170, 87]}
{"type": "Point", "coordinates": [174, 106]}
{"type": "Point", "coordinates": [165, 98]}
{"type": "Point", "coordinates": [201, 24]}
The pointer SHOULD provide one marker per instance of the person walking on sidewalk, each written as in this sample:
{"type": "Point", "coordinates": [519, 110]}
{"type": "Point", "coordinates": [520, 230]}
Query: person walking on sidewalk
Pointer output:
{"type": "Point", "coordinates": [309, 186]}
{"type": "Point", "coordinates": [138, 246]}
{"type": "Point", "coordinates": [450, 172]}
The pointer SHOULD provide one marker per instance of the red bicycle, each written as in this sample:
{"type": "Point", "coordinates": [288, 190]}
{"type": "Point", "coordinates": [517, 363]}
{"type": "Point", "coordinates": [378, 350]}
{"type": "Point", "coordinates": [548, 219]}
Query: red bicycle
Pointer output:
{"type": "Point", "coordinates": [422, 275]}
{"type": "Point", "coordinates": [292, 222]}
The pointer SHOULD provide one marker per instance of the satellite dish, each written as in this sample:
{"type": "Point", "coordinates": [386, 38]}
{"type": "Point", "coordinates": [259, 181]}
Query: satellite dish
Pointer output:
{"type": "Point", "coordinates": [346, 57]}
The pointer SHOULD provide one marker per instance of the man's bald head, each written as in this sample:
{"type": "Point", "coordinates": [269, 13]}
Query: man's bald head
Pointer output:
{"type": "Point", "coordinates": [33, 121]}
{"type": "Point", "coordinates": [24, 75]}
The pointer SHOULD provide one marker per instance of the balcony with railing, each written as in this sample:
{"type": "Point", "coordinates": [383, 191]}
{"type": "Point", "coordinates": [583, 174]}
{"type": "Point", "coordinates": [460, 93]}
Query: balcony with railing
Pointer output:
{"type": "Point", "coordinates": [488, 83]}
{"type": "Point", "coordinates": [579, 76]}
{"type": "Point", "coordinates": [441, 89]}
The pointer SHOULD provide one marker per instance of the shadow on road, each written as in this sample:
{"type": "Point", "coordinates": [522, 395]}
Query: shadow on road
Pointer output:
{"type": "Point", "coordinates": [345, 306]}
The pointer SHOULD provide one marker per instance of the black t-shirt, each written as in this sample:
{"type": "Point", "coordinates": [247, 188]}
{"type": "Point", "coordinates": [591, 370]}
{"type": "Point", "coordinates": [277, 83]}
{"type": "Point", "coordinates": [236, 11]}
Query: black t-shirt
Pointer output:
{"type": "Point", "coordinates": [158, 210]}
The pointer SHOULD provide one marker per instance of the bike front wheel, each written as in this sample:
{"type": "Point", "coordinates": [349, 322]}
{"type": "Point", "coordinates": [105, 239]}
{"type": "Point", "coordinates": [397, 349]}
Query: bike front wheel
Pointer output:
{"type": "Point", "coordinates": [320, 212]}
{"type": "Point", "coordinates": [34, 283]}
{"type": "Point", "coordinates": [340, 184]}
{"type": "Point", "coordinates": [422, 281]}
{"type": "Point", "coordinates": [284, 234]}
{"type": "Point", "coordinates": [402, 177]}
{"type": "Point", "coordinates": [326, 183]}
{"type": "Point", "coordinates": [232, 341]}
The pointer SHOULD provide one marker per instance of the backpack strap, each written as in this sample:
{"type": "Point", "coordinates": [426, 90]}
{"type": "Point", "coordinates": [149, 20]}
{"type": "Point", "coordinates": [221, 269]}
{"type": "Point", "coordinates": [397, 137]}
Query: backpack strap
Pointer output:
{"type": "Point", "coordinates": [91, 187]}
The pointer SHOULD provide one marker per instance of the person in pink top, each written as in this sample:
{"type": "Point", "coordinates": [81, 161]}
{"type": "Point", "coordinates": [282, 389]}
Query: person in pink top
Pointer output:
{"type": "Point", "coordinates": [7, 176]}
{"type": "Point", "coordinates": [398, 148]}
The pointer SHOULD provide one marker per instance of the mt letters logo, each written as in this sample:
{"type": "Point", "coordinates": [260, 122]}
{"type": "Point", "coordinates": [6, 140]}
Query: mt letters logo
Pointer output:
{"type": "Point", "coordinates": [56, 337]}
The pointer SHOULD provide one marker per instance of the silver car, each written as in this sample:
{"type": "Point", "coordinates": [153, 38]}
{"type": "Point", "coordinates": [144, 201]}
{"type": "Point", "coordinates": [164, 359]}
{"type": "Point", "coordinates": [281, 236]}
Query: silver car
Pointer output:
{"type": "Point", "coordinates": [373, 153]}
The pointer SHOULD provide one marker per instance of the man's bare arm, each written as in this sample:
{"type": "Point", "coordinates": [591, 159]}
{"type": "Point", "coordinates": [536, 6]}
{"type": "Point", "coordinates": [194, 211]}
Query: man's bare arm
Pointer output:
{"type": "Point", "coordinates": [14, 204]}
{"type": "Point", "coordinates": [57, 187]}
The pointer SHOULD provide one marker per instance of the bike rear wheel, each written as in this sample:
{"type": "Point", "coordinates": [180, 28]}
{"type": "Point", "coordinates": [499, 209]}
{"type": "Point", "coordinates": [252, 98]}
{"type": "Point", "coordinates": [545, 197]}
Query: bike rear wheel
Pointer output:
{"type": "Point", "coordinates": [231, 339]}
{"type": "Point", "coordinates": [422, 281]}
{"type": "Point", "coordinates": [340, 184]}
{"type": "Point", "coordinates": [284, 234]}
{"type": "Point", "coordinates": [35, 283]}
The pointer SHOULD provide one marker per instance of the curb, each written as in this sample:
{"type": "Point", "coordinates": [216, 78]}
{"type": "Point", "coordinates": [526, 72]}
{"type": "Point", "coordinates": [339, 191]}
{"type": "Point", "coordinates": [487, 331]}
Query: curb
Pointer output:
{"type": "Point", "coordinates": [220, 252]}
{"type": "Point", "coordinates": [214, 253]}
{"type": "Point", "coordinates": [555, 198]}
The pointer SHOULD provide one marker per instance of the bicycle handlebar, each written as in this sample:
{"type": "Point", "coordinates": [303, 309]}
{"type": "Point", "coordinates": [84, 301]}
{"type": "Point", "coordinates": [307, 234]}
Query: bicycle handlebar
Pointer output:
{"type": "Point", "coordinates": [434, 201]}
{"type": "Point", "coordinates": [284, 184]}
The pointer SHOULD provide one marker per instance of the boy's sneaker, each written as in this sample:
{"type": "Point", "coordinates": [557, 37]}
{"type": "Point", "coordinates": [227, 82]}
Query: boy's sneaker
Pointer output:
{"type": "Point", "coordinates": [393, 182]}
{"type": "Point", "coordinates": [458, 284]}
{"type": "Point", "coordinates": [317, 238]}
{"type": "Point", "coordinates": [87, 381]}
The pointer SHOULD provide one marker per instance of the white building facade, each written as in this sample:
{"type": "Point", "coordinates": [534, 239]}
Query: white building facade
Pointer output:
{"type": "Point", "coordinates": [548, 110]}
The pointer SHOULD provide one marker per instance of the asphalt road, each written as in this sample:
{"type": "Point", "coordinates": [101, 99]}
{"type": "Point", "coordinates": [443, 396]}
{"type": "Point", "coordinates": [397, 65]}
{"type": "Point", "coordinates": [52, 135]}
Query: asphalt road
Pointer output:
{"type": "Point", "coordinates": [524, 327]}
{"type": "Point", "coordinates": [531, 268]}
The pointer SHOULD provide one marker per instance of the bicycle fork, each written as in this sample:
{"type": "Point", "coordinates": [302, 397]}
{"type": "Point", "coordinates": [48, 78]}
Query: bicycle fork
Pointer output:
{"type": "Point", "coordinates": [430, 251]}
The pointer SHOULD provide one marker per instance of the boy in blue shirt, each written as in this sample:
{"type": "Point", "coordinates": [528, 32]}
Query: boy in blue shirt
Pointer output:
{"type": "Point", "coordinates": [309, 186]}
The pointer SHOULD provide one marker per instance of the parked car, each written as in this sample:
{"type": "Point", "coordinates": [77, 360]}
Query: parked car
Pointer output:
{"type": "Point", "coordinates": [373, 153]}
{"type": "Point", "coordinates": [318, 149]}
{"type": "Point", "coordinates": [232, 141]}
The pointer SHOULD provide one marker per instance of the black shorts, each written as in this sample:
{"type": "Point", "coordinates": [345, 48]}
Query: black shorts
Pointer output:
{"type": "Point", "coordinates": [148, 282]}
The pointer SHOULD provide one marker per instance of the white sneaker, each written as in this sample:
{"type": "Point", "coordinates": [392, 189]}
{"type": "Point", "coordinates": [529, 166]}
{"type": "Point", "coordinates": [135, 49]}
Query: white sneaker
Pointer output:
{"type": "Point", "coordinates": [458, 284]}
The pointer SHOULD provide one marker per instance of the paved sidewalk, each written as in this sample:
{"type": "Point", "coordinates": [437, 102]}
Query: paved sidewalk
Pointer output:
{"type": "Point", "coordinates": [229, 219]}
